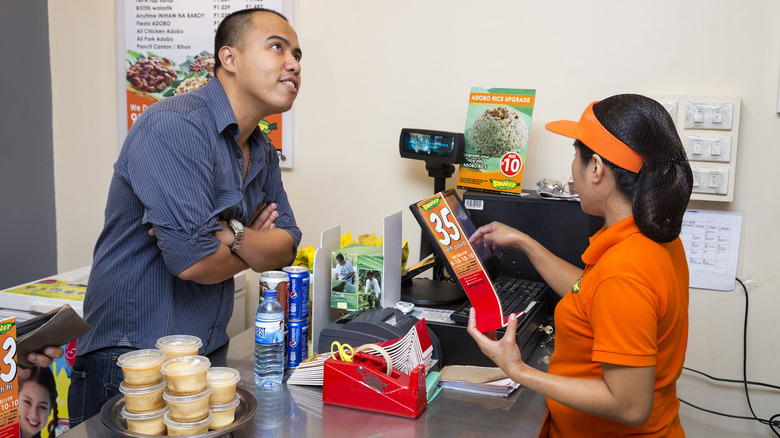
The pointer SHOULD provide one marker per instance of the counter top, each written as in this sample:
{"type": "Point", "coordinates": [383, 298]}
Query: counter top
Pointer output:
{"type": "Point", "coordinates": [298, 411]}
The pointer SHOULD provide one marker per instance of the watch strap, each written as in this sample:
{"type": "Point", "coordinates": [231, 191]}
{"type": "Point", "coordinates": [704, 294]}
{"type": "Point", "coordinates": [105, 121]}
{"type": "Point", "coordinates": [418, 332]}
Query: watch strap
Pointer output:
{"type": "Point", "coordinates": [238, 232]}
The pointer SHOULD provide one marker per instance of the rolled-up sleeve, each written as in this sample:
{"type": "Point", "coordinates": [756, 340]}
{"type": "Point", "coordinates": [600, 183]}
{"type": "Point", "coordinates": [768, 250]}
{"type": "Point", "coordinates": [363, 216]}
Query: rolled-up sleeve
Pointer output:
{"type": "Point", "coordinates": [171, 171]}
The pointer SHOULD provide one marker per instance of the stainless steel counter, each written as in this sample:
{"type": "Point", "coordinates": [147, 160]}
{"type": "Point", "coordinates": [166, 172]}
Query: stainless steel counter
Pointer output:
{"type": "Point", "coordinates": [298, 411]}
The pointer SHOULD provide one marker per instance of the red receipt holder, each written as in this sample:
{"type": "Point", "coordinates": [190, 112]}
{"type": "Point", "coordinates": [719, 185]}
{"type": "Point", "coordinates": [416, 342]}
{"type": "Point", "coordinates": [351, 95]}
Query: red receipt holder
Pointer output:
{"type": "Point", "coordinates": [363, 383]}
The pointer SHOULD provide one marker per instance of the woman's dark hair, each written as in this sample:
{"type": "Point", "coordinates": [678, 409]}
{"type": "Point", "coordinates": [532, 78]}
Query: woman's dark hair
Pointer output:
{"type": "Point", "coordinates": [233, 28]}
{"type": "Point", "coordinates": [660, 191]}
{"type": "Point", "coordinates": [44, 377]}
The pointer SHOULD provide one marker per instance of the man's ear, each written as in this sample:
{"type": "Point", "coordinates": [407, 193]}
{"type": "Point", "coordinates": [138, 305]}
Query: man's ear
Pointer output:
{"type": "Point", "coordinates": [227, 58]}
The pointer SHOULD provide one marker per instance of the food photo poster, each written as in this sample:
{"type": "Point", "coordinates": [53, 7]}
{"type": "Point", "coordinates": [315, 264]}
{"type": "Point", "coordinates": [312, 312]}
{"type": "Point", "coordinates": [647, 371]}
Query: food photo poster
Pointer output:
{"type": "Point", "coordinates": [165, 48]}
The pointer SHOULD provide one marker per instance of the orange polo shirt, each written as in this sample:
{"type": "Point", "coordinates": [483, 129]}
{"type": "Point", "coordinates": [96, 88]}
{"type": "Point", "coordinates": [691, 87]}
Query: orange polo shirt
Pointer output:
{"type": "Point", "coordinates": [629, 308]}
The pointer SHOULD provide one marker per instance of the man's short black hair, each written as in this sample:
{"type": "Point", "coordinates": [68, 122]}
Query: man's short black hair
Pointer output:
{"type": "Point", "coordinates": [233, 28]}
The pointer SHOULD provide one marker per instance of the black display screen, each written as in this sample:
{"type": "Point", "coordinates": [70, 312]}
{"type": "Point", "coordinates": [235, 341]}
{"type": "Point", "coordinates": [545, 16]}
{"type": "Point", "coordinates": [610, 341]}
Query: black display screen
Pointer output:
{"type": "Point", "coordinates": [428, 144]}
{"type": "Point", "coordinates": [434, 147]}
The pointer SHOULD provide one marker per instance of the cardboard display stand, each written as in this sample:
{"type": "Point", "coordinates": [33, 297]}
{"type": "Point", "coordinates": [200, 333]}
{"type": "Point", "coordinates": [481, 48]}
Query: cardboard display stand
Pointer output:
{"type": "Point", "coordinates": [322, 314]}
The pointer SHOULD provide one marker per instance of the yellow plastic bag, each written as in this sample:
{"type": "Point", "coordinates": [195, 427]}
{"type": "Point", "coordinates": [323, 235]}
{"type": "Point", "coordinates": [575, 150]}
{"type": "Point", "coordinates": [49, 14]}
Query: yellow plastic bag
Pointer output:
{"type": "Point", "coordinates": [372, 239]}
{"type": "Point", "coordinates": [305, 257]}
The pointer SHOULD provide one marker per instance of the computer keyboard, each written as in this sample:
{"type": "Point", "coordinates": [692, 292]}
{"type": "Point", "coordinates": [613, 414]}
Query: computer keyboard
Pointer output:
{"type": "Point", "coordinates": [516, 295]}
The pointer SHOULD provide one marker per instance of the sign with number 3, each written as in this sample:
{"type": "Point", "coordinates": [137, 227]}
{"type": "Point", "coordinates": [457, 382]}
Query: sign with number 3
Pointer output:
{"type": "Point", "coordinates": [9, 391]}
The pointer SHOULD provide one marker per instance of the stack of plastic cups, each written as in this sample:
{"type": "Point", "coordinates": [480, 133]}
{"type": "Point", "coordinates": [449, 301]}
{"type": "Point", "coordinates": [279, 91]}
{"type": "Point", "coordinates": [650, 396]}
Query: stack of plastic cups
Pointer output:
{"type": "Point", "coordinates": [223, 400]}
{"type": "Point", "coordinates": [187, 395]}
{"type": "Point", "coordinates": [172, 388]}
{"type": "Point", "coordinates": [297, 315]}
{"type": "Point", "coordinates": [143, 388]}
{"type": "Point", "coordinates": [179, 345]}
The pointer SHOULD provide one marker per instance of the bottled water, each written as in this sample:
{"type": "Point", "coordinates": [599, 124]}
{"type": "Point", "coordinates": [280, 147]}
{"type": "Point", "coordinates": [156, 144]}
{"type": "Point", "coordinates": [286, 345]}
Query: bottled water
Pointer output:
{"type": "Point", "coordinates": [270, 412]}
{"type": "Point", "coordinates": [269, 341]}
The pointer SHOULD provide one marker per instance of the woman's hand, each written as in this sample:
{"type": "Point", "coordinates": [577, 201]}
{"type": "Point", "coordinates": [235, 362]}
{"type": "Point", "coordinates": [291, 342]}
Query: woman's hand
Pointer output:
{"type": "Point", "coordinates": [496, 235]}
{"type": "Point", "coordinates": [505, 352]}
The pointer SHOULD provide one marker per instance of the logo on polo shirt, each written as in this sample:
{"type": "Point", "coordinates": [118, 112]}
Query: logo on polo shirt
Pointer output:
{"type": "Point", "coordinates": [576, 287]}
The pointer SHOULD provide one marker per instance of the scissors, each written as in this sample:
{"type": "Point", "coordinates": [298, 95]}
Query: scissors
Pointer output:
{"type": "Point", "coordinates": [342, 350]}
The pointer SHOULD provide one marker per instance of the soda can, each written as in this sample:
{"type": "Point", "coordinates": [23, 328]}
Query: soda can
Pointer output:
{"type": "Point", "coordinates": [275, 280]}
{"type": "Point", "coordinates": [298, 303]}
{"type": "Point", "coordinates": [297, 342]}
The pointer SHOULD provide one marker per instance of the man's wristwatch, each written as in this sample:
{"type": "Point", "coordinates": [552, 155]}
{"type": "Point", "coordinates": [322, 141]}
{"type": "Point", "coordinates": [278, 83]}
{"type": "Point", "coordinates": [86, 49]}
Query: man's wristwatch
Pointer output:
{"type": "Point", "coordinates": [238, 232]}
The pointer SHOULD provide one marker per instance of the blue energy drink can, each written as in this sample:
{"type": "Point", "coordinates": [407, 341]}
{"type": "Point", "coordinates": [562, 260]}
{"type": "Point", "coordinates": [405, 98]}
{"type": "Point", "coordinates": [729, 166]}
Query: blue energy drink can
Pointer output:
{"type": "Point", "coordinates": [298, 289]}
{"type": "Point", "coordinates": [297, 342]}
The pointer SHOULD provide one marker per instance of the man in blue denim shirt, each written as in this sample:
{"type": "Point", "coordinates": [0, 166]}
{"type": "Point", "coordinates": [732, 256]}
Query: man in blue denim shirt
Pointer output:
{"type": "Point", "coordinates": [196, 198]}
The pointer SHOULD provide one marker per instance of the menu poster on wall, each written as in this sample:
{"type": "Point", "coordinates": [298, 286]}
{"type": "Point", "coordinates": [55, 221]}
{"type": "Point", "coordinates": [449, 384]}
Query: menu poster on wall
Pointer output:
{"type": "Point", "coordinates": [165, 48]}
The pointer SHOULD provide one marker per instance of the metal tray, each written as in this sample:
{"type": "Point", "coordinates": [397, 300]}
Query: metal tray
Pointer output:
{"type": "Point", "coordinates": [245, 411]}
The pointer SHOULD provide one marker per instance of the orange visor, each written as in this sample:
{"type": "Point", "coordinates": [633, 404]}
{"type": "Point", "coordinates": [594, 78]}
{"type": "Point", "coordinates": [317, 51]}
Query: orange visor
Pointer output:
{"type": "Point", "coordinates": [589, 131]}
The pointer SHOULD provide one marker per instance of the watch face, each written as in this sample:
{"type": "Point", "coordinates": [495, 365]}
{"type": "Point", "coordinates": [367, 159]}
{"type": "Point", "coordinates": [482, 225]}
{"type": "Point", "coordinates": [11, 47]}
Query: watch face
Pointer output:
{"type": "Point", "coordinates": [236, 225]}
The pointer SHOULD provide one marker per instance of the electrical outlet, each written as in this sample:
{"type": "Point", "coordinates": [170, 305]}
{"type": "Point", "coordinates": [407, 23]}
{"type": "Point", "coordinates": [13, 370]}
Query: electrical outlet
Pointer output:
{"type": "Point", "coordinates": [717, 115]}
{"type": "Point", "coordinates": [710, 180]}
{"type": "Point", "coordinates": [708, 126]}
{"type": "Point", "coordinates": [708, 116]}
{"type": "Point", "coordinates": [697, 147]}
{"type": "Point", "coordinates": [717, 149]}
{"type": "Point", "coordinates": [714, 180]}
{"type": "Point", "coordinates": [671, 108]}
{"type": "Point", "coordinates": [698, 114]}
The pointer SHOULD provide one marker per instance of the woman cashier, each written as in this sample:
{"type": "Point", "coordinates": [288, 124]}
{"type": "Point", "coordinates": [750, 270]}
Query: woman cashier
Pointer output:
{"type": "Point", "coordinates": [622, 324]}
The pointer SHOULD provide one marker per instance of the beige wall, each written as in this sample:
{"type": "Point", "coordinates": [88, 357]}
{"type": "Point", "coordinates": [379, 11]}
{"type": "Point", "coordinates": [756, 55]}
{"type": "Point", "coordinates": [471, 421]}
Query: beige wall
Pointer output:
{"type": "Point", "coordinates": [372, 68]}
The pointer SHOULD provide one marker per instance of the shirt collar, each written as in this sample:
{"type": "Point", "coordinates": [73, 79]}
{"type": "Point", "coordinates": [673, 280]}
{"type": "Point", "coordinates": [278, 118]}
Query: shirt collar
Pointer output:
{"type": "Point", "coordinates": [224, 118]}
{"type": "Point", "coordinates": [607, 237]}
{"type": "Point", "coordinates": [221, 109]}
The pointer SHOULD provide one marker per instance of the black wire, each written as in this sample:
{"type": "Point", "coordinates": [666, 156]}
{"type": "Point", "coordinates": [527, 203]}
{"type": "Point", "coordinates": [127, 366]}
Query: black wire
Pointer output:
{"type": "Point", "coordinates": [744, 362]}
{"type": "Point", "coordinates": [738, 417]}
{"type": "Point", "coordinates": [772, 422]}
{"type": "Point", "coordinates": [718, 379]}
{"type": "Point", "coordinates": [744, 349]}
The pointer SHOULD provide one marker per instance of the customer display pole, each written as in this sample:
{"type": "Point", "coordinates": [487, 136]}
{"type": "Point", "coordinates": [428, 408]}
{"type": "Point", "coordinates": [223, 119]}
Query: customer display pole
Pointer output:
{"type": "Point", "coordinates": [439, 172]}
{"type": "Point", "coordinates": [441, 151]}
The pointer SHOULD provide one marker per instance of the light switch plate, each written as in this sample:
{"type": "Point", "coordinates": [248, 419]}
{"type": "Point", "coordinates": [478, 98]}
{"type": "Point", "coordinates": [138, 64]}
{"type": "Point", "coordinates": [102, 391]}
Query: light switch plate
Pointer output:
{"type": "Point", "coordinates": [716, 137]}
{"type": "Point", "coordinates": [705, 115]}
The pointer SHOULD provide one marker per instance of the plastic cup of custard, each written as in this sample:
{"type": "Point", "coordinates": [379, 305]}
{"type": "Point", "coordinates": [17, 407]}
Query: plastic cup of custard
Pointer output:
{"type": "Point", "coordinates": [142, 400]}
{"type": "Point", "coordinates": [223, 414]}
{"type": "Point", "coordinates": [178, 428]}
{"type": "Point", "coordinates": [188, 408]}
{"type": "Point", "coordinates": [149, 423]}
{"type": "Point", "coordinates": [186, 374]}
{"type": "Point", "coordinates": [141, 368]}
{"type": "Point", "coordinates": [223, 383]}
{"type": "Point", "coordinates": [179, 345]}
